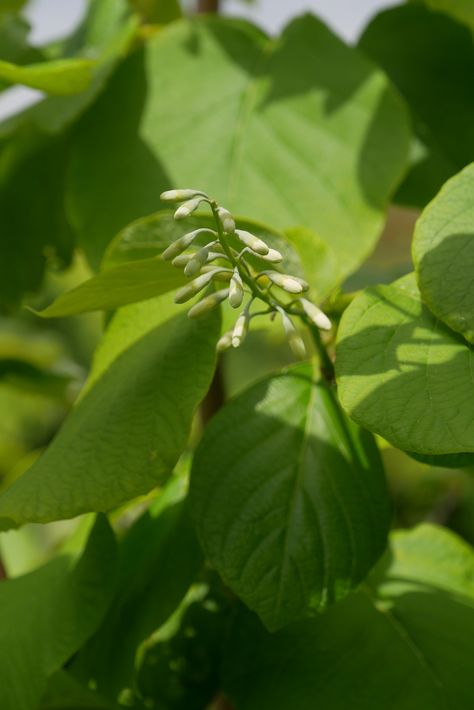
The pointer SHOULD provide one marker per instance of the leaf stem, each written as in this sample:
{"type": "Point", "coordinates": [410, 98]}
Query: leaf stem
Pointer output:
{"type": "Point", "coordinates": [326, 364]}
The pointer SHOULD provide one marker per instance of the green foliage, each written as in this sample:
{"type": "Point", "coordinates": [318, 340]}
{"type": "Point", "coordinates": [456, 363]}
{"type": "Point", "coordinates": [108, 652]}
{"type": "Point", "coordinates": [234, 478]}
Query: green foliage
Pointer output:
{"type": "Point", "coordinates": [303, 134]}
{"type": "Point", "coordinates": [394, 644]}
{"type": "Point", "coordinates": [288, 497]}
{"type": "Point", "coordinates": [48, 614]}
{"type": "Point", "coordinates": [443, 253]}
{"type": "Point", "coordinates": [245, 561]}
{"type": "Point", "coordinates": [436, 61]}
{"type": "Point", "coordinates": [391, 351]}
{"type": "Point", "coordinates": [127, 431]}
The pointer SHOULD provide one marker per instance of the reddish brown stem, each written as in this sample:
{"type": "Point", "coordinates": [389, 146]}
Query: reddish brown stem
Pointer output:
{"type": "Point", "coordinates": [208, 6]}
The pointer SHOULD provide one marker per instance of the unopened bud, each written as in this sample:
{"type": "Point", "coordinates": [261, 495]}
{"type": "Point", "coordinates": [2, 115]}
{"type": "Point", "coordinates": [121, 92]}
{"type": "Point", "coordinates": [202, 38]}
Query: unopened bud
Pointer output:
{"type": "Point", "coordinates": [253, 242]}
{"type": "Point", "coordinates": [291, 284]}
{"type": "Point", "coordinates": [236, 290]}
{"type": "Point", "coordinates": [295, 341]}
{"type": "Point", "coordinates": [179, 195]}
{"type": "Point", "coordinates": [273, 256]}
{"type": "Point", "coordinates": [195, 264]}
{"type": "Point", "coordinates": [187, 292]}
{"type": "Point", "coordinates": [208, 303]}
{"type": "Point", "coordinates": [225, 342]}
{"type": "Point", "coordinates": [316, 314]}
{"type": "Point", "coordinates": [227, 221]}
{"type": "Point", "coordinates": [240, 329]}
{"type": "Point", "coordinates": [178, 246]}
{"type": "Point", "coordinates": [182, 259]}
{"type": "Point", "coordinates": [187, 208]}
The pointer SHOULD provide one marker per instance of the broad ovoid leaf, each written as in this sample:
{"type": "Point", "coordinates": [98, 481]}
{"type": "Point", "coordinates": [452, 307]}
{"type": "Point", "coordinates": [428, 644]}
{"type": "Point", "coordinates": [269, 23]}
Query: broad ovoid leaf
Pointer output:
{"type": "Point", "coordinates": [59, 76]}
{"type": "Point", "coordinates": [435, 59]}
{"type": "Point", "coordinates": [289, 497]}
{"type": "Point", "coordinates": [65, 692]}
{"type": "Point", "coordinates": [443, 254]}
{"type": "Point", "coordinates": [405, 375]}
{"type": "Point", "coordinates": [404, 641]}
{"type": "Point", "coordinates": [159, 558]}
{"type": "Point", "coordinates": [129, 427]}
{"type": "Point", "coordinates": [118, 286]}
{"type": "Point", "coordinates": [46, 616]}
{"type": "Point", "coordinates": [288, 132]}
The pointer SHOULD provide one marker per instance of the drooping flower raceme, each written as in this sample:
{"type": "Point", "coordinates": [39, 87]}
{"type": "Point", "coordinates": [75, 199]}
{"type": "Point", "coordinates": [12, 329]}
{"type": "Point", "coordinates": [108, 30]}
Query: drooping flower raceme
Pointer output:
{"type": "Point", "coordinates": [223, 262]}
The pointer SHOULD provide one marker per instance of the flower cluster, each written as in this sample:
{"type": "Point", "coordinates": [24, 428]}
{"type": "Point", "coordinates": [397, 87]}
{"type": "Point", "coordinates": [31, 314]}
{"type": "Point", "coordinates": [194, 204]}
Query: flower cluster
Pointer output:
{"type": "Point", "coordinates": [221, 269]}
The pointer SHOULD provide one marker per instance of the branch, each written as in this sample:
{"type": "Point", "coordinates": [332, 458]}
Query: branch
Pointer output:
{"type": "Point", "coordinates": [208, 6]}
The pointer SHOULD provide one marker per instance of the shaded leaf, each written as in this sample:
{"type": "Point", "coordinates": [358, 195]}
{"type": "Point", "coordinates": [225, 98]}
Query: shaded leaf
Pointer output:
{"type": "Point", "coordinates": [45, 616]}
{"type": "Point", "coordinates": [159, 558]}
{"type": "Point", "coordinates": [435, 59]}
{"type": "Point", "coordinates": [289, 498]}
{"type": "Point", "coordinates": [404, 641]}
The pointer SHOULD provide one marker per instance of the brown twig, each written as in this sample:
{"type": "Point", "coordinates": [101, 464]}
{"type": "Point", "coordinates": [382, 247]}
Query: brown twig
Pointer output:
{"type": "Point", "coordinates": [208, 6]}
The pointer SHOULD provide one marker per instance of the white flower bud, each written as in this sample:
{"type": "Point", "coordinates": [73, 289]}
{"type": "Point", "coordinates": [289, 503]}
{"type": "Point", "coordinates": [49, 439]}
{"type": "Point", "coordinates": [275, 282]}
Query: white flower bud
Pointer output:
{"type": "Point", "coordinates": [295, 341]}
{"type": "Point", "coordinates": [178, 246]}
{"type": "Point", "coordinates": [187, 292]}
{"type": "Point", "coordinates": [225, 342]}
{"type": "Point", "coordinates": [187, 208]}
{"type": "Point", "coordinates": [181, 260]}
{"type": "Point", "coordinates": [240, 329]}
{"type": "Point", "coordinates": [208, 303]}
{"type": "Point", "coordinates": [273, 256]}
{"type": "Point", "coordinates": [179, 195]}
{"type": "Point", "coordinates": [253, 242]}
{"type": "Point", "coordinates": [195, 264]}
{"type": "Point", "coordinates": [227, 221]}
{"type": "Point", "coordinates": [291, 284]}
{"type": "Point", "coordinates": [236, 290]}
{"type": "Point", "coordinates": [319, 318]}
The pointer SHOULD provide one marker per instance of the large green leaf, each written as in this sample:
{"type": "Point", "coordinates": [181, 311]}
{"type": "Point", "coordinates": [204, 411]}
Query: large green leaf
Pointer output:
{"type": "Point", "coordinates": [404, 642]}
{"type": "Point", "coordinates": [118, 286]}
{"type": "Point", "coordinates": [443, 254]}
{"type": "Point", "coordinates": [158, 561]}
{"type": "Point", "coordinates": [289, 132]}
{"type": "Point", "coordinates": [433, 64]}
{"type": "Point", "coordinates": [127, 431]}
{"type": "Point", "coordinates": [405, 375]}
{"type": "Point", "coordinates": [45, 616]}
{"type": "Point", "coordinates": [289, 497]}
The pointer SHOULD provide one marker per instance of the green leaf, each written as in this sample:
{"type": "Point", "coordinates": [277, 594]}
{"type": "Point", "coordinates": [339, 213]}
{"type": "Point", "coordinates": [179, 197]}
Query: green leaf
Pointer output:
{"type": "Point", "coordinates": [34, 224]}
{"type": "Point", "coordinates": [157, 11]}
{"type": "Point", "coordinates": [128, 429]}
{"type": "Point", "coordinates": [64, 692]}
{"type": "Point", "coordinates": [118, 286]}
{"type": "Point", "coordinates": [61, 76]}
{"type": "Point", "coordinates": [45, 616]}
{"type": "Point", "coordinates": [405, 641]}
{"type": "Point", "coordinates": [443, 254]}
{"type": "Point", "coordinates": [435, 59]}
{"type": "Point", "coordinates": [279, 131]}
{"type": "Point", "coordinates": [158, 561]}
{"type": "Point", "coordinates": [403, 374]}
{"type": "Point", "coordinates": [289, 498]}
{"type": "Point", "coordinates": [461, 10]}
